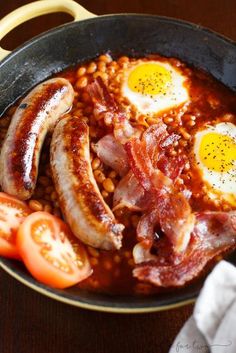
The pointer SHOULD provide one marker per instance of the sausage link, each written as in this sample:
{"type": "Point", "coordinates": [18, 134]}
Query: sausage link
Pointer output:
{"type": "Point", "coordinates": [84, 208]}
{"type": "Point", "coordinates": [34, 117]}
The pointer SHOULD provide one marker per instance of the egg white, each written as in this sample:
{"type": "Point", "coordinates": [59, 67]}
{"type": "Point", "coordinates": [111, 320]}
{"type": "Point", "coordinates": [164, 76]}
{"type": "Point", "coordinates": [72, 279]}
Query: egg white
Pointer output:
{"type": "Point", "coordinates": [175, 95]}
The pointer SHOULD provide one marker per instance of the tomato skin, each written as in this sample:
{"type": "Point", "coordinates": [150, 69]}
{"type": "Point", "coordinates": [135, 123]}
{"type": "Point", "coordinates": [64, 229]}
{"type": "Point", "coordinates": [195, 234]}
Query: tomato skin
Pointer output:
{"type": "Point", "coordinates": [12, 214]}
{"type": "Point", "coordinates": [8, 248]}
{"type": "Point", "coordinates": [42, 242]}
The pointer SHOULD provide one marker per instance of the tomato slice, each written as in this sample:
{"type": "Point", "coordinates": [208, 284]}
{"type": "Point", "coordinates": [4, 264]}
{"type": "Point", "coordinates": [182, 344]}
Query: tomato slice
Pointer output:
{"type": "Point", "coordinates": [12, 214]}
{"type": "Point", "coordinates": [50, 251]}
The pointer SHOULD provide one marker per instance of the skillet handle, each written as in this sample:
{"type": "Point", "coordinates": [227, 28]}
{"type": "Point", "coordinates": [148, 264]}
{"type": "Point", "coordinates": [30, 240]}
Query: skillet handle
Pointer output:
{"type": "Point", "coordinates": [38, 8]}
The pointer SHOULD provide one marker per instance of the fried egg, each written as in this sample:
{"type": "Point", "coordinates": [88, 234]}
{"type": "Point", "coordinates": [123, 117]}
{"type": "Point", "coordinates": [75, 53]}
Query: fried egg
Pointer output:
{"type": "Point", "coordinates": [154, 86]}
{"type": "Point", "coordinates": [215, 154]}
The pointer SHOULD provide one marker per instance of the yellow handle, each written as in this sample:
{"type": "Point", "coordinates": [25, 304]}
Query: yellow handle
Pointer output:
{"type": "Point", "coordinates": [38, 8]}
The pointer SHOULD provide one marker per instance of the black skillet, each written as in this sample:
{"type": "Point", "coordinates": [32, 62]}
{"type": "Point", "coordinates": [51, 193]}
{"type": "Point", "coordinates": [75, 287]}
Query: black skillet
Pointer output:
{"type": "Point", "coordinates": [128, 34]}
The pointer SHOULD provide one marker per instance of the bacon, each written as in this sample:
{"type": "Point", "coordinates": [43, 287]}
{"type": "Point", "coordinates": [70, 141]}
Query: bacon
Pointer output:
{"type": "Point", "coordinates": [158, 143]}
{"type": "Point", "coordinates": [146, 225]}
{"type": "Point", "coordinates": [129, 193]}
{"type": "Point", "coordinates": [174, 212]}
{"type": "Point", "coordinates": [215, 228]}
{"type": "Point", "coordinates": [105, 107]}
{"type": "Point", "coordinates": [112, 154]}
{"type": "Point", "coordinates": [214, 233]}
{"type": "Point", "coordinates": [102, 99]}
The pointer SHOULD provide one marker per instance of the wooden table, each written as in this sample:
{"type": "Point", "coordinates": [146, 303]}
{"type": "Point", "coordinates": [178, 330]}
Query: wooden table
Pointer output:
{"type": "Point", "coordinates": [31, 323]}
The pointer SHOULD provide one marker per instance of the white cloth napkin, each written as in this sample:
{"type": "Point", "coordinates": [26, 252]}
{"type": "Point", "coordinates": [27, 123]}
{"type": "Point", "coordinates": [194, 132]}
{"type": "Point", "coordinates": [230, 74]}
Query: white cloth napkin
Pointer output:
{"type": "Point", "coordinates": [212, 327]}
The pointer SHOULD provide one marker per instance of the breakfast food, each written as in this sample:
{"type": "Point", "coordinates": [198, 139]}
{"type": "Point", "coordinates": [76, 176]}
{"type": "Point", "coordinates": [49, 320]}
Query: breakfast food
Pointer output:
{"type": "Point", "coordinates": [215, 153]}
{"type": "Point", "coordinates": [34, 117]}
{"type": "Point", "coordinates": [143, 170]}
{"type": "Point", "coordinates": [154, 86]}
{"type": "Point", "coordinates": [50, 252]}
{"type": "Point", "coordinates": [79, 195]}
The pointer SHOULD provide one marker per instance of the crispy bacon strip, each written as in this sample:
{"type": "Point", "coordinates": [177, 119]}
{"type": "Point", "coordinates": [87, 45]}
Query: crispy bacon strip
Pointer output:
{"type": "Point", "coordinates": [213, 234]}
{"type": "Point", "coordinates": [175, 216]}
{"type": "Point", "coordinates": [130, 194]}
{"type": "Point", "coordinates": [106, 108]}
{"type": "Point", "coordinates": [112, 154]}
{"type": "Point", "coordinates": [158, 143]}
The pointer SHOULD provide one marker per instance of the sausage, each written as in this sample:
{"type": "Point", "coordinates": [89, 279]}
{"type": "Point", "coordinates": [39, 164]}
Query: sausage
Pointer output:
{"type": "Point", "coordinates": [34, 117]}
{"type": "Point", "coordinates": [82, 204]}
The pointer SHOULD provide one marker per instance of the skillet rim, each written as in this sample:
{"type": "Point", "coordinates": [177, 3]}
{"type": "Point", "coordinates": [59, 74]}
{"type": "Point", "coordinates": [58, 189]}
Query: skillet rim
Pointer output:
{"type": "Point", "coordinates": [166, 19]}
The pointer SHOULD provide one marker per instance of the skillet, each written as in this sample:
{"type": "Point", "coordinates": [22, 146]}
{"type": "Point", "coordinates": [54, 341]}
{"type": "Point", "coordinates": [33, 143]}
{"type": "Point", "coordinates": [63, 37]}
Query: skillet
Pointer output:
{"type": "Point", "coordinates": [84, 39]}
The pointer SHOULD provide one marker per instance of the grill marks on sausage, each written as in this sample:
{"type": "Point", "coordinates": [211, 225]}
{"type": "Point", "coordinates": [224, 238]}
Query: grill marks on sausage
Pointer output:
{"type": "Point", "coordinates": [35, 116]}
{"type": "Point", "coordinates": [76, 137]}
{"type": "Point", "coordinates": [22, 158]}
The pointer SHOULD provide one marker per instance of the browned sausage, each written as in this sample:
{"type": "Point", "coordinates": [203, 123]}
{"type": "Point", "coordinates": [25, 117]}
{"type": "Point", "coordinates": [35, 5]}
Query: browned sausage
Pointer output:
{"type": "Point", "coordinates": [84, 208]}
{"type": "Point", "coordinates": [36, 114]}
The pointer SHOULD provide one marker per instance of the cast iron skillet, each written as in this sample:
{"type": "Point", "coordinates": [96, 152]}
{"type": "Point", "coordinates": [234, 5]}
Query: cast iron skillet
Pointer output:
{"type": "Point", "coordinates": [128, 34]}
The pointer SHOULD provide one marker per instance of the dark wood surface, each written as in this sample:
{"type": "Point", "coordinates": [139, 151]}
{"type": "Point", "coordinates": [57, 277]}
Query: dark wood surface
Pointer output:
{"type": "Point", "coordinates": [31, 323]}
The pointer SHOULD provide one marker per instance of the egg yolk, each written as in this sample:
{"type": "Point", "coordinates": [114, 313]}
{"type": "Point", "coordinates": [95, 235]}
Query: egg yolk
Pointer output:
{"type": "Point", "coordinates": [218, 152]}
{"type": "Point", "coordinates": [149, 79]}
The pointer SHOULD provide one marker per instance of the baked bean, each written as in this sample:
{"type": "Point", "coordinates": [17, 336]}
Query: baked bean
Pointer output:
{"type": "Point", "coordinates": [101, 74]}
{"type": "Point", "coordinates": [183, 142]}
{"type": "Point", "coordinates": [191, 123]}
{"type": "Point", "coordinates": [105, 58]}
{"type": "Point", "coordinates": [99, 176]}
{"type": "Point", "coordinates": [184, 133]}
{"type": "Point", "coordinates": [168, 120]}
{"type": "Point", "coordinates": [92, 68]}
{"type": "Point", "coordinates": [81, 82]}
{"type": "Point", "coordinates": [101, 66]}
{"type": "Point", "coordinates": [123, 59]}
{"type": "Point", "coordinates": [81, 71]}
{"type": "Point", "coordinates": [35, 205]}
{"type": "Point", "coordinates": [96, 163]}
{"type": "Point", "coordinates": [105, 194]}
{"type": "Point", "coordinates": [108, 185]}
{"type": "Point", "coordinates": [112, 174]}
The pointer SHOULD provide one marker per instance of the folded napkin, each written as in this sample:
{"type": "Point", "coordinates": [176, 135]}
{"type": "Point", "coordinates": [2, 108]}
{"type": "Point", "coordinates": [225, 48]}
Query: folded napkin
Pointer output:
{"type": "Point", "coordinates": [212, 327]}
